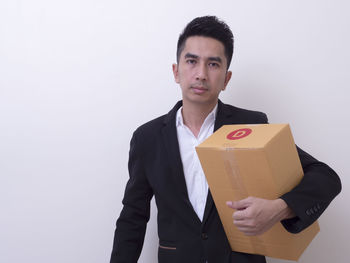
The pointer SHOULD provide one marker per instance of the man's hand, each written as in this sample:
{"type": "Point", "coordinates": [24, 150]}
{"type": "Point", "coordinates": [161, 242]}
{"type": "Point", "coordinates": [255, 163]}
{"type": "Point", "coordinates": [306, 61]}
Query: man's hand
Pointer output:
{"type": "Point", "coordinates": [254, 216]}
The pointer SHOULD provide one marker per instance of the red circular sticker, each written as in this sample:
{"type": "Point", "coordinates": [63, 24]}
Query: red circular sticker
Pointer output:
{"type": "Point", "coordinates": [238, 134]}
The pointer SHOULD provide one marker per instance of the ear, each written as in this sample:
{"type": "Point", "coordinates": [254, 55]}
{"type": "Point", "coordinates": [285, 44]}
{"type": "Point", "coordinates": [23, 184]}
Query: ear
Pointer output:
{"type": "Point", "coordinates": [227, 79]}
{"type": "Point", "coordinates": [176, 73]}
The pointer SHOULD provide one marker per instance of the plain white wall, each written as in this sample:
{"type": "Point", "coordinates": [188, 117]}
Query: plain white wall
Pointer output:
{"type": "Point", "coordinates": [77, 77]}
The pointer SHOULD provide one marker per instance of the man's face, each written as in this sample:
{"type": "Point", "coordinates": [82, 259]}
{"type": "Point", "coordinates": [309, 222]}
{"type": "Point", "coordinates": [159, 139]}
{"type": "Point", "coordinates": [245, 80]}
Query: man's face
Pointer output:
{"type": "Point", "coordinates": [202, 70]}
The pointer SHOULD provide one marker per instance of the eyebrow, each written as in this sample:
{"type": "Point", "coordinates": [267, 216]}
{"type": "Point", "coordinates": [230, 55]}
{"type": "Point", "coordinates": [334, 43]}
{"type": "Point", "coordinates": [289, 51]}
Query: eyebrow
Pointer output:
{"type": "Point", "coordinates": [189, 55]}
{"type": "Point", "coordinates": [217, 59]}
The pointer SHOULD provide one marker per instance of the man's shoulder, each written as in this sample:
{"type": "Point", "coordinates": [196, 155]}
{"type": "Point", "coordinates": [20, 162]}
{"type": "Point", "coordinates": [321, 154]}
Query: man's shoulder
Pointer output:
{"type": "Point", "coordinates": [244, 115]}
{"type": "Point", "coordinates": [152, 126]}
{"type": "Point", "coordinates": [231, 108]}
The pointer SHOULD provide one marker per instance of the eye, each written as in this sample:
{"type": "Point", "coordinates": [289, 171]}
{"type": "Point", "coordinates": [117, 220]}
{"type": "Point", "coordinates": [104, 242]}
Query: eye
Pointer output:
{"type": "Point", "coordinates": [191, 61]}
{"type": "Point", "coordinates": [214, 65]}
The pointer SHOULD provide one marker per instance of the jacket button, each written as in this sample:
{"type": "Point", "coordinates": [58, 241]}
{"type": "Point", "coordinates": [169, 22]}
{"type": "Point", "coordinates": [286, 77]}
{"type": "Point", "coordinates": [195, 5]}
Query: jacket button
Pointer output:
{"type": "Point", "coordinates": [204, 236]}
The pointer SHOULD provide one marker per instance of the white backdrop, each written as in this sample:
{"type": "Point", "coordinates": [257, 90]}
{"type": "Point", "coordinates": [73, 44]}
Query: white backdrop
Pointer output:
{"type": "Point", "coordinates": [78, 76]}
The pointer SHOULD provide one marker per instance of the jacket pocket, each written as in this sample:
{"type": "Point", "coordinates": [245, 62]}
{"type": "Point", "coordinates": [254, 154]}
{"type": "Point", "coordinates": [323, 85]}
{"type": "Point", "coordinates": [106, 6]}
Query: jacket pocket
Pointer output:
{"type": "Point", "coordinates": [167, 252]}
{"type": "Point", "coordinates": [167, 245]}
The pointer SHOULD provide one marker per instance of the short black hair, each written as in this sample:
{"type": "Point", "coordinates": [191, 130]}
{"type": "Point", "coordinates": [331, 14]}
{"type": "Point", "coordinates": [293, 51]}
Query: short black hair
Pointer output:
{"type": "Point", "coordinates": [207, 26]}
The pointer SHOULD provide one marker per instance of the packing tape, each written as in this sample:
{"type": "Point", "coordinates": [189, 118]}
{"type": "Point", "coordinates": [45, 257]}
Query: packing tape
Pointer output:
{"type": "Point", "coordinates": [235, 178]}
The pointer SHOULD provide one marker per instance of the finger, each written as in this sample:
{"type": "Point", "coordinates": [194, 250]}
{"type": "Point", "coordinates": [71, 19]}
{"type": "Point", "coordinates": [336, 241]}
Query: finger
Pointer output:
{"type": "Point", "coordinates": [239, 223]}
{"type": "Point", "coordinates": [240, 215]}
{"type": "Point", "coordinates": [245, 229]}
{"type": "Point", "coordinates": [241, 204]}
{"type": "Point", "coordinates": [249, 233]}
{"type": "Point", "coordinates": [232, 204]}
{"type": "Point", "coordinates": [249, 230]}
{"type": "Point", "coordinates": [229, 204]}
{"type": "Point", "coordinates": [244, 222]}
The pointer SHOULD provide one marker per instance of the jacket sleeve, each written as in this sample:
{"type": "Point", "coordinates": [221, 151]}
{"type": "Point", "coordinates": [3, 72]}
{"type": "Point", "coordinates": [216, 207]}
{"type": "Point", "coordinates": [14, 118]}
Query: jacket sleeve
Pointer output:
{"type": "Point", "coordinates": [131, 224]}
{"type": "Point", "coordinates": [318, 187]}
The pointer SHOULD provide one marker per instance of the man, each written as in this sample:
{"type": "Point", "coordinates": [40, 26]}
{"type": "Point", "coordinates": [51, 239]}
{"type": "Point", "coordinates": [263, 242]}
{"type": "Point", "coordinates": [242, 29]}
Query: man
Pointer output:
{"type": "Point", "coordinates": [163, 163]}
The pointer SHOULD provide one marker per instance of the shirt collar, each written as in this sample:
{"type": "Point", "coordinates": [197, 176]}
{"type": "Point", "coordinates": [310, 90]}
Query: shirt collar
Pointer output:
{"type": "Point", "coordinates": [210, 118]}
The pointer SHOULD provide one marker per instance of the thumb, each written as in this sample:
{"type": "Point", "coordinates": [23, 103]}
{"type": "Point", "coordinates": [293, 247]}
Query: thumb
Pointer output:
{"type": "Point", "coordinates": [238, 205]}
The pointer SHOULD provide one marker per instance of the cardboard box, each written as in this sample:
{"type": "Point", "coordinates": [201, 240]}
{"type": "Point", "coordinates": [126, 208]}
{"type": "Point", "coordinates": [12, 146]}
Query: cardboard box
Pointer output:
{"type": "Point", "coordinates": [254, 160]}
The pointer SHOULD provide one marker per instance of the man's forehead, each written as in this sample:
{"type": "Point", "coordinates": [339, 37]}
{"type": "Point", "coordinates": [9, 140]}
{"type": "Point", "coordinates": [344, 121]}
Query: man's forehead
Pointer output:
{"type": "Point", "coordinates": [203, 47]}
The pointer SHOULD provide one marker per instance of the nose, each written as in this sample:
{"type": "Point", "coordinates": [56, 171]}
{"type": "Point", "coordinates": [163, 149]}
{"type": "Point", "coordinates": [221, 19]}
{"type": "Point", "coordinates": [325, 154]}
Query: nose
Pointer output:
{"type": "Point", "coordinates": [201, 73]}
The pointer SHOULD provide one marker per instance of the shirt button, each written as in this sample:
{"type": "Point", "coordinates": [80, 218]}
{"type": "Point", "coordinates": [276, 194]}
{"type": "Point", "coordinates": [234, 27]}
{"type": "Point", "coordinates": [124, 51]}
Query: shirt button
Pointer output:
{"type": "Point", "coordinates": [204, 236]}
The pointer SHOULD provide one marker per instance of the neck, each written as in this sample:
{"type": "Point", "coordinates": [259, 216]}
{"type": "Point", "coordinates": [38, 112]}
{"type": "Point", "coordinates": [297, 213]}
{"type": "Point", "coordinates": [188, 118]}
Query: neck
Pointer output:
{"type": "Point", "coordinates": [194, 115]}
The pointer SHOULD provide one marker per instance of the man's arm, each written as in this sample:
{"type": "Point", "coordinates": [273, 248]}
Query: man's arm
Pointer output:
{"type": "Point", "coordinates": [318, 187]}
{"type": "Point", "coordinates": [131, 224]}
{"type": "Point", "coordinates": [296, 209]}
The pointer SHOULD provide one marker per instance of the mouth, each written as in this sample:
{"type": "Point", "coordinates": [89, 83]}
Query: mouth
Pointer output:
{"type": "Point", "coordinates": [199, 89]}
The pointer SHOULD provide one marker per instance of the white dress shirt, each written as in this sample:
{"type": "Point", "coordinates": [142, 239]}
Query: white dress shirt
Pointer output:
{"type": "Point", "coordinates": [197, 186]}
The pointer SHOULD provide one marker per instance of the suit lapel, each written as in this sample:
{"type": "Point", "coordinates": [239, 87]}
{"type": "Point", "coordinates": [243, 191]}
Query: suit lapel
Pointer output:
{"type": "Point", "coordinates": [223, 117]}
{"type": "Point", "coordinates": [169, 137]}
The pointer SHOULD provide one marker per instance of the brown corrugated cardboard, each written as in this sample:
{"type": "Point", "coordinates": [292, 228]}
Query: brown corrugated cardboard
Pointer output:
{"type": "Point", "coordinates": [254, 160]}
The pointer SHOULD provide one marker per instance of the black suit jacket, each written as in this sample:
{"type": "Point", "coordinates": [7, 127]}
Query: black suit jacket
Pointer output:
{"type": "Point", "coordinates": [155, 169]}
